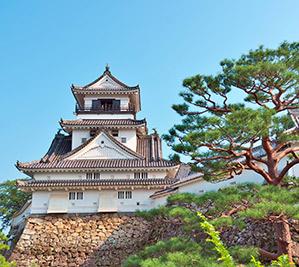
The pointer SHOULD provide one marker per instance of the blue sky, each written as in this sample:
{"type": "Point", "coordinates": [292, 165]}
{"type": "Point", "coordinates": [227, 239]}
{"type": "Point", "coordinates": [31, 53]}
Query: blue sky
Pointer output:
{"type": "Point", "coordinates": [45, 46]}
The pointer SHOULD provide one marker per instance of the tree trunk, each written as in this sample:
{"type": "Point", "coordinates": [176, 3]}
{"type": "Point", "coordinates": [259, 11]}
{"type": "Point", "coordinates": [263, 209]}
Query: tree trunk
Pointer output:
{"type": "Point", "coordinates": [283, 237]}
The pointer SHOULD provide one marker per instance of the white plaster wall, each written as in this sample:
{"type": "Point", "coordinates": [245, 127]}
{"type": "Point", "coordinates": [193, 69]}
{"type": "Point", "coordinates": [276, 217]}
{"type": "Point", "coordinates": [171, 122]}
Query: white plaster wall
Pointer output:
{"type": "Point", "coordinates": [77, 136]}
{"type": "Point", "coordinates": [103, 175]}
{"type": "Point", "coordinates": [201, 186]}
{"type": "Point", "coordinates": [105, 116]}
{"type": "Point", "coordinates": [89, 203]}
{"type": "Point", "coordinates": [130, 134]}
{"type": "Point", "coordinates": [92, 201]}
{"type": "Point", "coordinates": [138, 196]}
{"type": "Point", "coordinates": [161, 201]}
{"type": "Point", "coordinates": [21, 217]}
{"type": "Point", "coordinates": [294, 171]}
{"type": "Point", "coordinates": [40, 202]}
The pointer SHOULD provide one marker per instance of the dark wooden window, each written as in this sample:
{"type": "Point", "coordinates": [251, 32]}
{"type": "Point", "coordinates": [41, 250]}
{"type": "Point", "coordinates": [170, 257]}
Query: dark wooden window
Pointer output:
{"type": "Point", "coordinates": [96, 104]}
{"type": "Point", "coordinates": [138, 175]}
{"type": "Point", "coordinates": [114, 133]}
{"type": "Point", "coordinates": [89, 176]}
{"type": "Point", "coordinates": [116, 104]}
{"type": "Point", "coordinates": [128, 194]}
{"type": "Point", "coordinates": [79, 195]}
{"type": "Point", "coordinates": [92, 132]}
{"type": "Point", "coordinates": [121, 195]}
{"type": "Point", "coordinates": [97, 175]}
{"type": "Point", "coordinates": [72, 195]}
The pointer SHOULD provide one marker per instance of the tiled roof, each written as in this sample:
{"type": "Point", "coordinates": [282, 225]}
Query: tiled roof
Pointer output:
{"type": "Point", "coordinates": [163, 192]}
{"type": "Point", "coordinates": [177, 182]}
{"type": "Point", "coordinates": [83, 90]}
{"type": "Point", "coordinates": [106, 82]}
{"type": "Point", "coordinates": [96, 164]}
{"type": "Point", "coordinates": [101, 122]}
{"type": "Point", "coordinates": [60, 145]}
{"type": "Point", "coordinates": [187, 179]}
{"type": "Point", "coordinates": [183, 171]}
{"type": "Point", "coordinates": [148, 156]}
{"type": "Point", "coordinates": [100, 182]}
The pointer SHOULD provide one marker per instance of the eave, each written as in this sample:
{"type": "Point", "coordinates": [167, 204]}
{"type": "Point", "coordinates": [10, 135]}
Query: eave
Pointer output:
{"type": "Point", "coordinates": [102, 124]}
{"type": "Point", "coordinates": [80, 92]}
{"type": "Point", "coordinates": [31, 171]}
{"type": "Point", "coordinates": [104, 184]}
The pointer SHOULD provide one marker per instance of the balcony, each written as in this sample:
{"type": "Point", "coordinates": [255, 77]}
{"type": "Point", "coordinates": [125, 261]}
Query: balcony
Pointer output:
{"type": "Point", "coordinates": [105, 109]}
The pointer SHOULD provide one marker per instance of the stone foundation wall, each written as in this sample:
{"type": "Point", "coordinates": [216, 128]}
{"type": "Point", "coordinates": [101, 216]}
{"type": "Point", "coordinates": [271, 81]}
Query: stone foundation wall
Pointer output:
{"type": "Point", "coordinates": [108, 239]}
{"type": "Point", "coordinates": [95, 240]}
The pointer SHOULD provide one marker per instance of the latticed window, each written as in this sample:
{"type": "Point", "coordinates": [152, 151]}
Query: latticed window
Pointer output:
{"type": "Point", "coordinates": [72, 195]}
{"type": "Point", "coordinates": [89, 175]}
{"type": "Point", "coordinates": [79, 195]}
{"type": "Point", "coordinates": [121, 195]}
{"type": "Point", "coordinates": [138, 175]}
{"type": "Point", "coordinates": [97, 175]}
{"type": "Point", "coordinates": [124, 194]}
{"type": "Point", "coordinates": [128, 194]}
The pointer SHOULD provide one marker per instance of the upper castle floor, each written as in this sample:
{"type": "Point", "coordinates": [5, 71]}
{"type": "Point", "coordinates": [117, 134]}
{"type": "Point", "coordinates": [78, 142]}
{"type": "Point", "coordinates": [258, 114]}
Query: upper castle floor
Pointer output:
{"type": "Point", "coordinates": [106, 98]}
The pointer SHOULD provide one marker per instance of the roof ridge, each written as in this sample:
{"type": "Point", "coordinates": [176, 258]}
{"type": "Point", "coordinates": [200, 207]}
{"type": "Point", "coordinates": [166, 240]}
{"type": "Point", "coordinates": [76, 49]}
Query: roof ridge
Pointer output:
{"type": "Point", "coordinates": [96, 163]}
{"type": "Point", "coordinates": [109, 74]}
{"type": "Point", "coordinates": [138, 120]}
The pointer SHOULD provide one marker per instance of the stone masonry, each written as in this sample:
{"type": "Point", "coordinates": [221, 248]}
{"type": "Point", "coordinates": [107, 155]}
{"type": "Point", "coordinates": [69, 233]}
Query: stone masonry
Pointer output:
{"type": "Point", "coordinates": [95, 240]}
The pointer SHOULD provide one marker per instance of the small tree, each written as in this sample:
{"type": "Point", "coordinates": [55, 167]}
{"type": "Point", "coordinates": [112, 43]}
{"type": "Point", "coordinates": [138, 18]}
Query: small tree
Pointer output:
{"type": "Point", "coordinates": [3, 246]}
{"type": "Point", "coordinates": [221, 136]}
{"type": "Point", "coordinates": [11, 200]}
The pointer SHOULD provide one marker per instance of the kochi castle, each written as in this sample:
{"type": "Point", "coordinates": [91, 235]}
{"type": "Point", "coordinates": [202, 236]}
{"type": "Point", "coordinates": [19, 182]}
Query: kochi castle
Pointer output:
{"type": "Point", "coordinates": [106, 161]}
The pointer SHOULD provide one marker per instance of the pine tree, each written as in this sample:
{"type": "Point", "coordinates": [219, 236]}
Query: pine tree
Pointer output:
{"type": "Point", "coordinates": [221, 136]}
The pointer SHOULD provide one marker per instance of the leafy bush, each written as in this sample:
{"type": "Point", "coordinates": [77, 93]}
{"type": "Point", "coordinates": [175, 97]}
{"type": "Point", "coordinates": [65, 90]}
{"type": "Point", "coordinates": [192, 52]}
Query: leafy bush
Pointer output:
{"type": "Point", "coordinates": [172, 252]}
{"type": "Point", "coordinates": [3, 246]}
{"type": "Point", "coordinates": [256, 201]}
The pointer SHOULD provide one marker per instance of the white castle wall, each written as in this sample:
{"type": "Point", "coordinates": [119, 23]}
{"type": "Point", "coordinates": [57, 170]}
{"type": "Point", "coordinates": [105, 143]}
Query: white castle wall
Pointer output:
{"type": "Point", "coordinates": [202, 186]}
{"type": "Point", "coordinates": [129, 134]}
{"type": "Point", "coordinates": [105, 116]}
{"type": "Point", "coordinates": [93, 201]}
{"type": "Point", "coordinates": [103, 175]}
{"type": "Point", "coordinates": [77, 136]}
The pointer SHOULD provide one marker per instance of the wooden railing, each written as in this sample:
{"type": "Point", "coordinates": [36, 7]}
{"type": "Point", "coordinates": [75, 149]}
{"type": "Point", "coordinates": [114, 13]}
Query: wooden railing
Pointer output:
{"type": "Point", "coordinates": [105, 109]}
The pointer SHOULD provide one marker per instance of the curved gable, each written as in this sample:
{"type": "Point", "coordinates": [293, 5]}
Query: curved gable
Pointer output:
{"type": "Point", "coordinates": [103, 147]}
